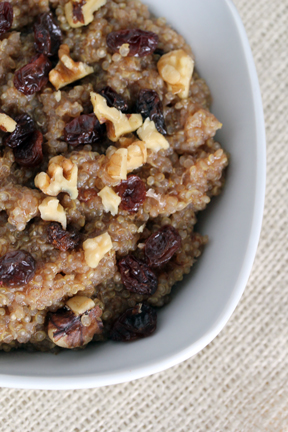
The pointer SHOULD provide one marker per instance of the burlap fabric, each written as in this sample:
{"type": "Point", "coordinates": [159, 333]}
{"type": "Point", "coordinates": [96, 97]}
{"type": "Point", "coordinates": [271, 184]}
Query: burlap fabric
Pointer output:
{"type": "Point", "coordinates": [239, 383]}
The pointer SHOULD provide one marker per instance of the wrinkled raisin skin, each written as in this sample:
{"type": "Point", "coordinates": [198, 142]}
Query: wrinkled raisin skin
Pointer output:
{"type": "Point", "coordinates": [132, 192]}
{"type": "Point", "coordinates": [161, 246]}
{"type": "Point", "coordinates": [114, 99]}
{"type": "Point", "coordinates": [25, 127]}
{"type": "Point", "coordinates": [29, 154]}
{"type": "Point", "coordinates": [137, 276]}
{"type": "Point", "coordinates": [61, 239]}
{"type": "Point", "coordinates": [84, 129]}
{"type": "Point", "coordinates": [6, 17]}
{"type": "Point", "coordinates": [141, 43]}
{"type": "Point", "coordinates": [17, 268]}
{"type": "Point", "coordinates": [135, 323]}
{"type": "Point", "coordinates": [149, 105]}
{"type": "Point", "coordinates": [32, 77]}
{"type": "Point", "coordinates": [47, 34]}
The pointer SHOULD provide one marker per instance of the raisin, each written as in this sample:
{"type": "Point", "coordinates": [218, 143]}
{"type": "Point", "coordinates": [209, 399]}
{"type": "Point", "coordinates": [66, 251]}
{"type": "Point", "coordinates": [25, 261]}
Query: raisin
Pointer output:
{"type": "Point", "coordinates": [149, 105]}
{"type": "Point", "coordinates": [84, 129]}
{"type": "Point", "coordinates": [135, 323]}
{"type": "Point", "coordinates": [6, 17]}
{"type": "Point", "coordinates": [61, 239]}
{"type": "Point", "coordinates": [17, 268]}
{"type": "Point", "coordinates": [161, 246]}
{"type": "Point", "coordinates": [25, 128]}
{"type": "Point", "coordinates": [33, 76]}
{"type": "Point", "coordinates": [141, 43]}
{"type": "Point", "coordinates": [29, 153]}
{"type": "Point", "coordinates": [47, 34]}
{"type": "Point", "coordinates": [114, 99]}
{"type": "Point", "coordinates": [77, 11]}
{"type": "Point", "coordinates": [137, 276]}
{"type": "Point", "coordinates": [132, 192]}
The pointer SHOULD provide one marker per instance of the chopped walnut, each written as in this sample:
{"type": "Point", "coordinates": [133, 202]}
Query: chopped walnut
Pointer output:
{"type": "Point", "coordinates": [80, 13]}
{"type": "Point", "coordinates": [61, 177]}
{"type": "Point", "coordinates": [136, 156]}
{"type": "Point", "coordinates": [7, 124]}
{"type": "Point", "coordinates": [117, 123]}
{"type": "Point", "coordinates": [151, 137]}
{"type": "Point", "coordinates": [117, 165]}
{"type": "Point", "coordinates": [66, 70]}
{"type": "Point", "coordinates": [96, 248]}
{"type": "Point", "coordinates": [110, 200]}
{"type": "Point", "coordinates": [51, 210]}
{"type": "Point", "coordinates": [176, 69]}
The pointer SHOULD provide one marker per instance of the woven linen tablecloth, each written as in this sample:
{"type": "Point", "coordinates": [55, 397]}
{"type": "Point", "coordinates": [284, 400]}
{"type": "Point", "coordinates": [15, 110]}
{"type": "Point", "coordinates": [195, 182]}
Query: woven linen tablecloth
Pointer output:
{"type": "Point", "coordinates": [239, 383]}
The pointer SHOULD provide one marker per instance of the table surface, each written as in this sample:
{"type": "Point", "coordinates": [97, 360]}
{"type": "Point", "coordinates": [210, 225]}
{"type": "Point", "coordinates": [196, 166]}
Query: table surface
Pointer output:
{"type": "Point", "coordinates": [239, 383]}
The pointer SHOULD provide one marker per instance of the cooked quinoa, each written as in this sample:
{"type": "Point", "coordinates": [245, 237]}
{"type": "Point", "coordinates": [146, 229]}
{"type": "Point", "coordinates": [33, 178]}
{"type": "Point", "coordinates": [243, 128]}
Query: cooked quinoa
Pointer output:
{"type": "Point", "coordinates": [180, 181]}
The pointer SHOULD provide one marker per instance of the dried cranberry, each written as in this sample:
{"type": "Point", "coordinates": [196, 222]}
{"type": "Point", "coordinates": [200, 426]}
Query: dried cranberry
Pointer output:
{"type": "Point", "coordinates": [132, 192]}
{"type": "Point", "coordinates": [6, 17]}
{"type": "Point", "coordinates": [25, 128]}
{"type": "Point", "coordinates": [77, 11]}
{"type": "Point", "coordinates": [47, 34]}
{"type": "Point", "coordinates": [29, 154]}
{"type": "Point", "coordinates": [137, 276]}
{"type": "Point", "coordinates": [114, 99]}
{"type": "Point", "coordinates": [135, 323]}
{"type": "Point", "coordinates": [61, 239]}
{"type": "Point", "coordinates": [141, 43]}
{"type": "Point", "coordinates": [33, 76]}
{"type": "Point", "coordinates": [149, 105]}
{"type": "Point", "coordinates": [161, 246]}
{"type": "Point", "coordinates": [84, 129]}
{"type": "Point", "coordinates": [17, 268]}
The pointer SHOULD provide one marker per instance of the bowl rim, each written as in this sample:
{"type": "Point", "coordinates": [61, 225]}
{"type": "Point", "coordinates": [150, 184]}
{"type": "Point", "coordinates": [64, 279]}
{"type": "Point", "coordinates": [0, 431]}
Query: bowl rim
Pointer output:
{"type": "Point", "coordinates": [94, 380]}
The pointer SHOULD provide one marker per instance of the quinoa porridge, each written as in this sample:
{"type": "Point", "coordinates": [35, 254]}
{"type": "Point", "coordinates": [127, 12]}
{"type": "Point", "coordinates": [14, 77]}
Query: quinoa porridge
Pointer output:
{"type": "Point", "coordinates": [107, 154]}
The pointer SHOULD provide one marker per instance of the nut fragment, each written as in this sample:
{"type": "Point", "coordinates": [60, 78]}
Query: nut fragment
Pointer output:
{"type": "Point", "coordinates": [96, 248]}
{"type": "Point", "coordinates": [61, 177]}
{"type": "Point", "coordinates": [117, 165]}
{"type": "Point", "coordinates": [176, 69]}
{"type": "Point", "coordinates": [110, 200]}
{"type": "Point", "coordinates": [137, 155]}
{"type": "Point", "coordinates": [76, 324]}
{"type": "Point", "coordinates": [7, 124]}
{"type": "Point", "coordinates": [151, 137]}
{"type": "Point", "coordinates": [66, 70]}
{"type": "Point", "coordinates": [117, 123]}
{"type": "Point", "coordinates": [86, 11]}
{"type": "Point", "coordinates": [52, 210]}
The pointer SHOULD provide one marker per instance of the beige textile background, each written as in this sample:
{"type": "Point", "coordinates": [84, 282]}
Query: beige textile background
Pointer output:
{"type": "Point", "coordinates": [239, 383]}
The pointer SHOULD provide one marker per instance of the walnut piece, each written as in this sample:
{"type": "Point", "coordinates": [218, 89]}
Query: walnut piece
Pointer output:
{"type": "Point", "coordinates": [51, 210]}
{"type": "Point", "coordinates": [76, 324]}
{"type": "Point", "coordinates": [110, 200]}
{"type": "Point", "coordinates": [66, 70]}
{"type": "Point", "coordinates": [176, 69]}
{"type": "Point", "coordinates": [117, 165]}
{"type": "Point", "coordinates": [61, 177]}
{"type": "Point", "coordinates": [96, 248]}
{"type": "Point", "coordinates": [117, 123]}
{"type": "Point", "coordinates": [7, 124]}
{"type": "Point", "coordinates": [136, 156]}
{"type": "Point", "coordinates": [151, 137]}
{"type": "Point", "coordinates": [87, 9]}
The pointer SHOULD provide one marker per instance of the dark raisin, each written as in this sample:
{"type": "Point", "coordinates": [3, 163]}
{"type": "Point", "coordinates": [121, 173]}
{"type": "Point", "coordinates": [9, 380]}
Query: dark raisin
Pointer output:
{"type": "Point", "coordinates": [25, 128]}
{"type": "Point", "coordinates": [29, 153]}
{"type": "Point", "coordinates": [132, 192]}
{"type": "Point", "coordinates": [33, 76]}
{"type": "Point", "coordinates": [84, 129]}
{"type": "Point", "coordinates": [161, 246]}
{"type": "Point", "coordinates": [141, 43]}
{"type": "Point", "coordinates": [149, 105]}
{"type": "Point", "coordinates": [85, 195]}
{"type": "Point", "coordinates": [114, 99]}
{"type": "Point", "coordinates": [6, 17]}
{"type": "Point", "coordinates": [137, 276]}
{"type": "Point", "coordinates": [61, 239]}
{"type": "Point", "coordinates": [17, 268]}
{"type": "Point", "coordinates": [47, 34]}
{"type": "Point", "coordinates": [77, 11]}
{"type": "Point", "coordinates": [135, 323]}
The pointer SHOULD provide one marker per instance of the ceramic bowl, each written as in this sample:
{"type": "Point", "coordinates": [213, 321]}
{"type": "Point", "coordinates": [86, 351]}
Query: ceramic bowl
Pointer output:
{"type": "Point", "coordinates": [205, 300]}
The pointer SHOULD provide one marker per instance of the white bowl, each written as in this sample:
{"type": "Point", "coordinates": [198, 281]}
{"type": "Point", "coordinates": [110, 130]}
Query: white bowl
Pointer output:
{"type": "Point", "coordinates": [208, 296]}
